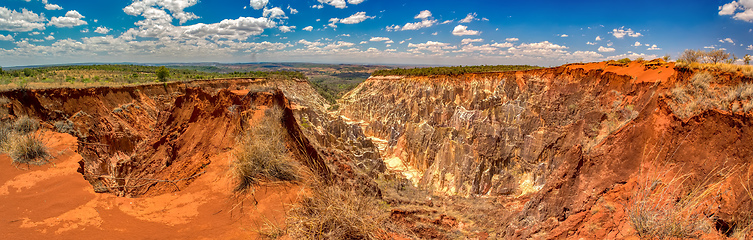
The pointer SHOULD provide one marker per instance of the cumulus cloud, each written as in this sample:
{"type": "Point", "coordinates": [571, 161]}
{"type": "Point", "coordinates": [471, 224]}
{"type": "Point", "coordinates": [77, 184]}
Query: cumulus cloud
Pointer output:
{"type": "Point", "coordinates": [52, 7]}
{"type": "Point", "coordinates": [24, 21]}
{"type": "Point", "coordinates": [653, 48]}
{"type": "Point", "coordinates": [102, 30]}
{"type": "Point", "coordinates": [541, 45]}
{"type": "Point", "coordinates": [286, 29]}
{"type": "Point", "coordinates": [49, 38]}
{"type": "Point", "coordinates": [292, 10]}
{"type": "Point", "coordinates": [502, 45]}
{"type": "Point", "coordinates": [511, 39]}
{"type": "Point", "coordinates": [469, 18]}
{"type": "Point", "coordinates": [381, 39]}
{"type": "Point", "coordinates": [71, 19]}
{"type": "Point", "coordinates": [470, 40]}
{"type": "Point", "coordinates": [274, 13]}
{"type": "Point", "coordinates": [334, 3]}
{"type": "Point", "coordinates": [431, 46]}
{"type": "Point", "coordinates": [176, 8]}
{"type": "Point", "coordinates": [6, 37]}
{"type": "Point", "coordinates": [418, 25]}
{"type": "Point", "coordinates": [258, 4]}
{"type": "Point", "coordinates": [355, 2]}
{"type": "Point", "coordinates": [621, 32]}
{"type": "Point", "coordinates": [309, 28]}
{"type": "Point", "coordinates": [637, 44]}
{"type": "Point", "coordinates": [606, 49]}
{"type": "Point", "coordinates": [234, 29]}
{"type": "Point", "coordinates": [564, 35]}
{"type": "Point", "coordinates": [729, 40]}
{"type": "Point", "coordinates": [423, 15]}
{"type": "Point", "coordinates": [598, 38]}
{"type": "Point", "coordinates": [461, 30]}
{"type": "Point", "coordinates": [740, 10]}
{"type": "Point", "coordinates": [591, 43]}
{"type": "Point", "coordinates": [749, 48]}
{"type": "Point", "coordinates": [353, 19]}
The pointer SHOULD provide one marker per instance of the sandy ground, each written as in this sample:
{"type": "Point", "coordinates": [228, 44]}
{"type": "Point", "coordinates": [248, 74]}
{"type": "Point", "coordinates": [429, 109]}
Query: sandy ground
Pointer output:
{"type": "Point", "coordinates": [55, 202]}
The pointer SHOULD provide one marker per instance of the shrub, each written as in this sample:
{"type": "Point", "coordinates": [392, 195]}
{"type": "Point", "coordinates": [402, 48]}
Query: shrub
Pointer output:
{"type": "Point", "coordinates": [666, 207]}
{"type": "Point", "coordinates": [24, 125]}
{"type": "Point", "coordinates": [333, 213]}
{"type": "Point", "coordinates": [260, 153]}
{"type": "Point", "coordinates": [65, 127]}
{"type": "Point", "coordinates": [28, 149]}
{"type": "Point", "coordinates": [6, 133]}
{"type": "Point", "coordinates": [701, 80]}
{"type": "Point", "coordinates": [162, 73]}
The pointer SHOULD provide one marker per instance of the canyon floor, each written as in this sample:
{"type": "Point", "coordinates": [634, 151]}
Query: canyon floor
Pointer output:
{"type": "Point", "coordinates": [606, 150]}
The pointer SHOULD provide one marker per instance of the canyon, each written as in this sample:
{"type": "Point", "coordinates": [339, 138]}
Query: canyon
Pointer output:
{"type": "Point", "coordinates": [567, 152]}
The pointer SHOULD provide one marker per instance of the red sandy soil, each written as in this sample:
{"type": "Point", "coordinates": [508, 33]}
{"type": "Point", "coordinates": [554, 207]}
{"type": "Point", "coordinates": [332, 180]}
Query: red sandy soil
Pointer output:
{"type": "Point", "coordinates": [634, 69]}
{"type": "Point", "coordinates": [55, 202]}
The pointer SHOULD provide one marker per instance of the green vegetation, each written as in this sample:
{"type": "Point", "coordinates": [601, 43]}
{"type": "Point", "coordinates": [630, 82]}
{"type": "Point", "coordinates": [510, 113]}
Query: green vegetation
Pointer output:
{"type": "Point", "coordinates": [261, 154]}
{"type": "Point", "coordinates": [109, 75]}
{"type": "Point", "coordinates": [458, 70]}
{"type": "Point", "coordinates": [162, 74]}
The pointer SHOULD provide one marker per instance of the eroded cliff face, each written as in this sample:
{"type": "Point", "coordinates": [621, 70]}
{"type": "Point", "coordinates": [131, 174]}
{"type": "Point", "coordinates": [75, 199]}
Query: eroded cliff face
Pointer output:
{"type": "Point", "coordinates": [153, 139]}
{"type": "Point", "coordinates": [571, 145]}
{"type": "Point", "coordinates": [494, 133]}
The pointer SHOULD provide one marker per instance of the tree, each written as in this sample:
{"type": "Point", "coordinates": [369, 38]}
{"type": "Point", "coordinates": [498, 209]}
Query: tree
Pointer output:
{"type": "Point", "coordinates": [716, 56]}
{"type": "Point", "coordinates": [666, 58]}
{"type": "Point", "coordinates": [3, 72]}
{"type": "Point", "coordinates": [746, 59]}
{"type": "Point", "coordinates": [690, 56]}
{"type": "Point", "coordinates": [162, 73]}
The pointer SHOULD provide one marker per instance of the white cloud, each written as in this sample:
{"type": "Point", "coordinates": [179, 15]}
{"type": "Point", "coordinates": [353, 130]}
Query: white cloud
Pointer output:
{"type": "Point", "coordinates": [355, 2]}
{"type": "Point", "coordinates": [431, 46]}
{"type": "Point", "coordinates": [274, 13]}
{"type": "Point", "coordinates": [334, 3]}
{"type": "Point", "coordinates": [729, 40]}
{"type": "Point", "coordinates": [286, 29]}
{"type": "Point", "coordinates": [609, 44]}
{"type": "Point", "coordinates": [380, 39]}
{"type": "Point", "coordinates": [469, 18]}
{"type": "Point", "coordinates": [292, 10]}
{"type": "Point", "coordinates": [606, 49]}
{"type": "Point", "coordinates": [564, 35]}
{"type": "Point", "coordinates": [353, 19]}
{"type": "Point", "coordinates": [176, 7]}
{"type": "Point", "coordinates": [258, 4]}
{"type": "Point", "coordinates": [418, 25]}
{"type": "Point", "coordinates": [591, 43]}
{"type": "Point", "coordinates": [461, 30]}
{"type": "Point", "coordinates": [423, 15]}
{"type": "Point", "coordinates": [317, 6]}
{"type": "Point", "coordinates": [309, 28]}
{"type": "Point", "coordinates": [71, 19]}
{"type": "Point", "coordinates": [511, 39]}
{"type": "Point", "coordinates": [749, 48]}
{"type": "Point", "coordinates": [470, 40]}
{"type": "Point", "coordinates": [637, 44]}
{"type": "Point", "coordinates": [435, 33]}
{"type": "Point", "coordinates": [541, 45]}
{"type": "Point", "coordinates": [502, 45]}
{"type": "Point", "coordinates": [741, 10]}
{"type": "Point", "coordinates": [598, 38]}
{"type": "Point", "coordinates": [24, 21]}
{"type": "Point", "coordinates": [234, 29]}
{"type": "Point", "coordinates": [653, 48]}
{"type": "Point", "coordinates": [52, 7]}
{"type": "Point", "coordinates": [102, 30]}
{"type": "Point", "coordinates": [49, 38]}
{"type": "Point", "coordinates": [621, 32]}
{"type": "Point", "coordinates": [446, 22]}
{"type": "Point", "coordinates": [6, 37]}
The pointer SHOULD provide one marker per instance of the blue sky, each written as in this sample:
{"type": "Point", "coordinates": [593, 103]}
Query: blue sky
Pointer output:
{"type": "Point", "coordinates": [440, 32]}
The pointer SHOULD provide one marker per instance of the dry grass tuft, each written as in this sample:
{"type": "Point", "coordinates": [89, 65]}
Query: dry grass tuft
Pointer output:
{"type": "Point", "coordinates": [334, 213]}
{"type": "Point", "coordinates": [65, 126]}
{"type": "Point", "coordinates": [260, 154]}
{"type": "Point", "coordinates": [665, 207]}
{"type": "Point", "coordinates": [28, 149]}
{"type": "Point", "coordinates": [746, 70]}
{"type": "Point", "coordinates": [25, 125]}
{"type": "Point", "coordinates": [700, 94]}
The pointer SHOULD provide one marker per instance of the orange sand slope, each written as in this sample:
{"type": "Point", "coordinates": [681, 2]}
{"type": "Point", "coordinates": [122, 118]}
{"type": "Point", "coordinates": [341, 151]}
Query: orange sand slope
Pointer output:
{"type": "Point", "coordinates": [55, 202]}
